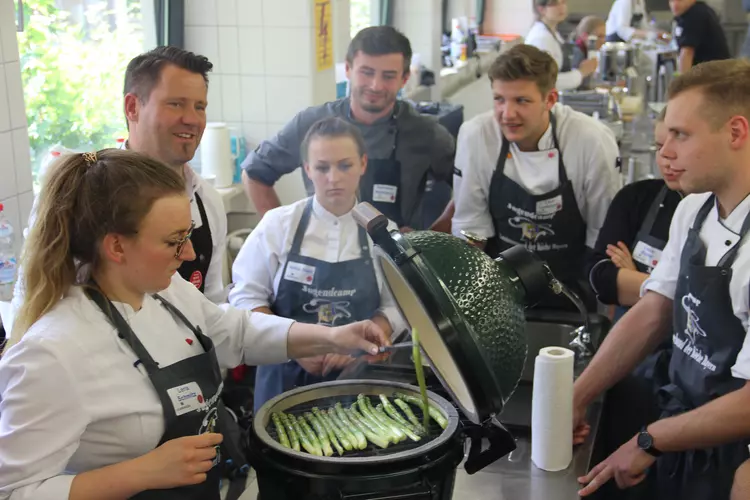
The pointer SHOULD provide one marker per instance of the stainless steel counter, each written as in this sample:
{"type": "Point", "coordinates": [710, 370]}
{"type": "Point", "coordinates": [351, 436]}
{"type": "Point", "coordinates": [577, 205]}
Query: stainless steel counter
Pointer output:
{"type": "Point", "coordinates": [515, 477]}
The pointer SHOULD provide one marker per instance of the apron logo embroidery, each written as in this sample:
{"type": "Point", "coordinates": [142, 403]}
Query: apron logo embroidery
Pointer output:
{"type": "Point", "coordinates": [693, 330]}
{"type": "Point", "coordinates": [210, 425]}
{"type": "Point", "coordinates": [530, 230]}
{"type": "Point", "coordinates": [328, 312]}
{"type": "Point", "coordinates": [196, 279]}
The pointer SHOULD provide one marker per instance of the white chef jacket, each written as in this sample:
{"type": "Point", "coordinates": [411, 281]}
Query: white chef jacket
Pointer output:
{"type": "Point", "coordinates": [540, 37]}
{"type": "Point", "coordinates": [622, 11]}
{"type": "Point", "coordinates": [217, 221]}
{"type": "Point", "coordinates": [715, 234]}
{"type": "Point", "coordinates": [259, 266]}
{"type": "Point", "coordinates": [72, 400]}
{"type": "Point", "coordinates": [589, 152]}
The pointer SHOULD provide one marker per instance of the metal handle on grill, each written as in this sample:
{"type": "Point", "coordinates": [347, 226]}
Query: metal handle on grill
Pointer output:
{"type": "Point", "coordinates": [501, 443]}
{"type": "Point", "coordinates": [369, 217]}
{"type": "Point", "coordinates": [424, 494]}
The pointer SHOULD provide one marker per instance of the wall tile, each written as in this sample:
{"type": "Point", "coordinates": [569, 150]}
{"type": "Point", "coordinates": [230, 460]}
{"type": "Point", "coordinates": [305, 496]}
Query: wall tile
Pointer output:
{"type": "Point", "coordinates": [15, 95]}
{"type": "Point", "coordinates": [251, 51]}
{"type": "Point", "coordinates": [4, 107]}
{"type": "Point", "coordinates": [229, 57]}
{"type": "Point", "coordinates": [22, 158]}
{"type": "Point", "coordinates": [288, 13]}
{"type": "Point", "coordinates": [231, 98]}
{"type": "Point", "coordinates": [8, 31]}
{"type": "Point", "coordinates": [7, 164]}
{"type": "Point", "coordinates": [201, 12]}
{"type": "Point", "coordinates": [250, 12]}
{"type": "Point", "coordinates": [215, 110]}
{"type": "Point", "coordinates": [204, 41]}
{"type": "Point", "coordinates": [283, 53]}
{"type": "Point", "coordinates": [254, 108]}
{"type": "Point", "coordinates": [286, 96]}
{"type": "Point", "coordinates": [227, 12]}
{"type": "Point", "coordinates": [254, 133]}
{"type": "Point", "coordinates": [25, 203]}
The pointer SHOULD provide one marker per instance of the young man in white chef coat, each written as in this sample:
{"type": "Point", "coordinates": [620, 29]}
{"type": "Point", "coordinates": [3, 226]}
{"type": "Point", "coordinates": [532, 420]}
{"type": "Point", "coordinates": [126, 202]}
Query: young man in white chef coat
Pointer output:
{"type": "Point", "coordinates": [533, 171]}
{"type": "Point", "coordinates": [165, 99]}
{"type": "Point", "coordinates": [698, 295]}
{"type": "Point", "coordinates": [627, 20]}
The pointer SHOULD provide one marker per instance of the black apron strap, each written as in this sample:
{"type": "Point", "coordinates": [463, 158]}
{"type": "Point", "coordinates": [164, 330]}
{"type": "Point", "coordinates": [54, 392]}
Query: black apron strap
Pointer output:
{"type": "Point", "coordinates": [653, 211]}
{"type": "Point", "coordinates": [178, 314]}
{"type": "Point", "coordinates": [299, 235]}
{"type": "Point", "coordinates": [700, 218]}
{"type": "Point", "coordinates": [123, 328]}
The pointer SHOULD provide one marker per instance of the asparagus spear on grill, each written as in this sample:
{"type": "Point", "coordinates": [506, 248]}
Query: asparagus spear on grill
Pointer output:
{"type": "Point", "coordinates": [395, 431]}
{"type": "Point", "coordinates": [329, 430]}
{"type": "Point", "coordinates": [364, 410]}
{"type": "Point", "coordinates": [392, 412]}
{"type": "Point", "coordinates": [370, 424]}
{"type": "Point", "coordinates": [293, 438]}
{"type": "Point", "coordinates": [346, 435]}
{"type": "Point", "coordinates": [321, 433]}
{"type": "Point", "coordinates": [434, 412]}
{"type": "Point", "coordinates": [304, 439]}
{"type": "Point", "coordinates": [380, 413]}
{"type": "Point", "coordinates": [342, 415]}
{"type": "Point", "coordinates": [409, 414]}
{"type": "Point", "coordinates": [374, 437]}
{"type": "Point", "coordinates": [280, 432]}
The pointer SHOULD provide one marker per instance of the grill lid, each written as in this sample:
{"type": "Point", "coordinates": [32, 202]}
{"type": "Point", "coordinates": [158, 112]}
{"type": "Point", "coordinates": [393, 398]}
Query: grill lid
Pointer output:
{"type": "Point", "coordinates": [467, 307]}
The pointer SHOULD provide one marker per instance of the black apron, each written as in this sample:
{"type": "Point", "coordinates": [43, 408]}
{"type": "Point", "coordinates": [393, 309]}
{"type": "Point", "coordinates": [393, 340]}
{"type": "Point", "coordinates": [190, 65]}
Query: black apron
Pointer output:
{"type": "Point", "coordinates": [557, 234]}
{"type": "Point", "coordinates": [381, 184]}
{"type": "Point", "coordinates": [319, 292]}
{"type": "Point", "coordinates": [568, 51]}
{"type": "Point", "coordinates": [635, 20]}
{"type": "Point", "coordinates": [195, 384]}
{"type": "Point", "coordinates": [706, 341]}
{"type": "Point", "coordinates": [195, 270]}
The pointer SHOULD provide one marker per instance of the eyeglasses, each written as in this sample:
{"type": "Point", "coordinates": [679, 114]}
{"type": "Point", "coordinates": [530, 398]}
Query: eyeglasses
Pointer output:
{"type": "Point", "coordinates": [184, 240]}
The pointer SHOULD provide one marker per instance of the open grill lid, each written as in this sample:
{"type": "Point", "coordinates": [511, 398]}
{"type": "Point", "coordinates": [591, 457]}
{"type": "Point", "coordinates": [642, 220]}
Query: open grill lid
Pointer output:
{"type": "Point", "coordinates": [467, 308]}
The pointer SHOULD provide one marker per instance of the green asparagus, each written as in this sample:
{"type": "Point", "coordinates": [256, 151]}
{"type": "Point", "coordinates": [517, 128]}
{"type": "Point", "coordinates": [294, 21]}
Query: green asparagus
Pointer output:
{"type": "Point", "coordinates": [434, 412]}
{"type": "Point", "coordinates": [321, 433]}
{"type": "Point", "coordinates": [409, 414]}
{"type": "Point", "coordinates": [374, 437]}
{"type": "Point", "coordinates": [304, 439]}
{"type": "Point", "coordinates": [345, 435]}
{"type": "Point", "coordinates": [396, 431]}
{"type": "Point", "coordinates": [329, 430]}
{"type": "Point", "coordinates": [377, 429]}
{"type": "Point", "coordinates": [344, 417]}
{"type": "Point", "coordinates": [380, 413]}
{"type": "Point", "coordinates": [392, 412]}
{"type": "Point", "coordinates": [384, 430]}
{"type": "Point", "coordinates": [293, 438]}
{"type": "Point", "coordinates": [419, 368]}
{"type": "Point", "coordinates": [280, 432]}
{"type": "Point", "coordinates": [310, 436]}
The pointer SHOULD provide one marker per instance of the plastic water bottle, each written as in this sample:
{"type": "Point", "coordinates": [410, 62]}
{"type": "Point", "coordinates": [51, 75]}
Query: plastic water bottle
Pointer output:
{"type": "Point", "coordinates": [8, 261]}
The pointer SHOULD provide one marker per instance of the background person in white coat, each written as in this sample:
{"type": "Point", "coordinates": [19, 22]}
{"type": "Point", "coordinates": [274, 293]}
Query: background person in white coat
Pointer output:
{"type": "Point", "coordinates": [310, 261]}
{"type": "Point", "coordinates": [533, 171]}
{"type": "Point", "coordinates": [628, 19]}
{"type": "Point", "coordinates": [113, 390]}
{"type": "Point", "coordinates": [544, 36]}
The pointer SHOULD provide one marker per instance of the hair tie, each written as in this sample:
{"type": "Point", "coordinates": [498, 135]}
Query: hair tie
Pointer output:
{"type": "Point", "coordinates": [89, 158]}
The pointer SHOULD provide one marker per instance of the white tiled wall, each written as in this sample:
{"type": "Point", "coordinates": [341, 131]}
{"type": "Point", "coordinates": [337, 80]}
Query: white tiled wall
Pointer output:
{"type": "Point", "coordinates": [15, 164]}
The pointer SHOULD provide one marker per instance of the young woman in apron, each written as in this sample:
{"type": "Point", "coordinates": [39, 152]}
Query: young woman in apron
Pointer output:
{"type": "Point", "coordinates": [116, 367]}
{"type": "Point", "coordinates": [310, 261]}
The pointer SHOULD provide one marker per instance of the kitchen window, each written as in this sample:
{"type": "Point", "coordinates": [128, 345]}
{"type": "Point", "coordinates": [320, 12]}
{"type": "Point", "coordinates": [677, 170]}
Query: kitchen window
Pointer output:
{"type": "Point", "coordinates": [73, 58]}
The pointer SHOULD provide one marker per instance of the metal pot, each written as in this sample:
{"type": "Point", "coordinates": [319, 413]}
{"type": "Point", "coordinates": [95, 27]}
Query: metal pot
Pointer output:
{"type": "Point", "coordinates": [614, 59]}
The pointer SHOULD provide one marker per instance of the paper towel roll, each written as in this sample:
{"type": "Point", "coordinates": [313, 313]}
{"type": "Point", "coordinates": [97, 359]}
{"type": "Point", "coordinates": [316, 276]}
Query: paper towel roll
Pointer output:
{"type": "Point", "coordinates": [216, 154]}
{"type": "Point", "coordinates": [552, 409]}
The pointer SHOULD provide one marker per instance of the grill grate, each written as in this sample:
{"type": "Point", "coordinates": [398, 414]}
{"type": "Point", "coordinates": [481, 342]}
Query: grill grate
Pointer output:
{"type": "Point", "coordinates": [371, 451]}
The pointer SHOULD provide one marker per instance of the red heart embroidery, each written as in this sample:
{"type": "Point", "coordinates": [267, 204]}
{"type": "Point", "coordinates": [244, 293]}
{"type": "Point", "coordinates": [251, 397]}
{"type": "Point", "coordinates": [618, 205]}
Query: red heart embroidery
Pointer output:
{"type": "Point", "coordinates": [189, 341]}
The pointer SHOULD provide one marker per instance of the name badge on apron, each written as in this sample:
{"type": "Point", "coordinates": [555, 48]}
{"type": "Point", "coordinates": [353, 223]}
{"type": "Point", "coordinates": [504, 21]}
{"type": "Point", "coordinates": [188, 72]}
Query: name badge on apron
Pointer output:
{"type": "Point", "coordinates": [186, 398]}
{"type": "Point", "coordinates": [646, 254]}
{"type": "Point", "coordinates": [384, 193]}
{"type": "Point", "coordinates": [299, 273]}
{"type": "Point", "coordinates": [550, 206]}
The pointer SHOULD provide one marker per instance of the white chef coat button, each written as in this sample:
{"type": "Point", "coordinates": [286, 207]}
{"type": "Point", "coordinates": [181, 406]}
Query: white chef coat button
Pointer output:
{"type": "Point", "coordinates": [728, 243]}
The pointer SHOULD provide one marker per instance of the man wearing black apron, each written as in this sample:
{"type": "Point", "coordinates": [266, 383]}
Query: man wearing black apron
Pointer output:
{"type": "Point", "coordinates": [199, 374]}
{"type": "Point", "coordinates": [338, 293]}
{"type": "Point", "coordinates": [697, 296]}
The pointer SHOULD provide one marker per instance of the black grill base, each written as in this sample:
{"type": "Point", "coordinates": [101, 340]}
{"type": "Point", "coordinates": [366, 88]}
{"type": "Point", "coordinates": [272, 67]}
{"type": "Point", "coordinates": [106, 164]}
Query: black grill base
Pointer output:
{"type": "Point", "coordinates": [429, 476]}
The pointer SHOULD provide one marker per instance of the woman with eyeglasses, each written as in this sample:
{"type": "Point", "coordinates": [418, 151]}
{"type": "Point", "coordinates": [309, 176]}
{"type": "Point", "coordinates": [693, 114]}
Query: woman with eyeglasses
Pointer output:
{"type": "Point", "coordinates": [311, 261]}
{"type": "Point", "coordinates": [111, 389]}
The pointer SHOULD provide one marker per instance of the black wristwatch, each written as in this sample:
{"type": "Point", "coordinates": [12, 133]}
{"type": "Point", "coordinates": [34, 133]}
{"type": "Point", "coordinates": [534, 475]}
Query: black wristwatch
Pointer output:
{"type": "Point", "coordinates": [646, 443]}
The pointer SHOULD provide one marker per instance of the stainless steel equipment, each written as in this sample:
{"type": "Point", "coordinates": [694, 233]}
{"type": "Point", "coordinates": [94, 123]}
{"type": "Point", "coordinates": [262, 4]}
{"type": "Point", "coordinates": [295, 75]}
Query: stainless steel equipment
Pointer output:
{"type": "Point", "coordinates": [591, 102]}
{"type": "Point", "coordinates": [614, 60]}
